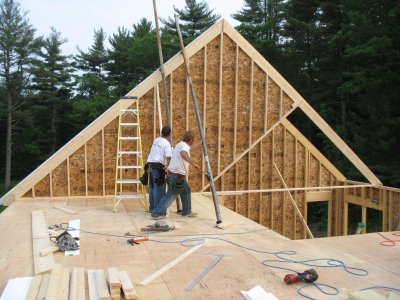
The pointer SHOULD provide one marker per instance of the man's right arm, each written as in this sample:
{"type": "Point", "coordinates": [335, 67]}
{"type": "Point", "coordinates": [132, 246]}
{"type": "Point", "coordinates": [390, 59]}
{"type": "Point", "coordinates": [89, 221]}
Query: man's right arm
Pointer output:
{"type": "Point", "coordinates": [190, 160]}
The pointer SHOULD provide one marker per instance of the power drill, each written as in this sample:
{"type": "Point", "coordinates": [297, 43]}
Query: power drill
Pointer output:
{"type": "Point", "coordinates": [308, 276]}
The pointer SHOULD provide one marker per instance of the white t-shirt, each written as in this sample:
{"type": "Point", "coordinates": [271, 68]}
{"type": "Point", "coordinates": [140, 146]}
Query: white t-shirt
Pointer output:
{"type": "Point", "coordinates": [178, 164]}
{"type": "Point", "coordinates": [160, 150]}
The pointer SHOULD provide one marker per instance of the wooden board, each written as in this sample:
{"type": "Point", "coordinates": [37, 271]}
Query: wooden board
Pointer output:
{"type": "Point", "coordinates": [41, 240]}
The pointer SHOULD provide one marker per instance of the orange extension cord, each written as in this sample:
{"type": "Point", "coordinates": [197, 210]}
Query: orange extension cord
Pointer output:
{"type": "Point", "coordinates": [389, 242]}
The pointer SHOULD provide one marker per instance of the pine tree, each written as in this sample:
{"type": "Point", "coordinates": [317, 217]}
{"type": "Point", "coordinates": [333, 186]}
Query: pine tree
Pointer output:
{"type": "Point", "coordinates": [261, 24]}
{"type": "Point", "coordinates": [17, 45]}
{"type": "Point", "coordinates": [195, 18]}
{"type": "Point", "coordinates": [119, 69]}
{"type": "Point", "coordinates": [51, 84]}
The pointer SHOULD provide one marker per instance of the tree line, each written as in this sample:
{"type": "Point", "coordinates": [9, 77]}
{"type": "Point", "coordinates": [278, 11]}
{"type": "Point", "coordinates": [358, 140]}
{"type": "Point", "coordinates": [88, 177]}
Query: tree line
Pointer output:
{"type": "Point", "coordinates": [343, 56]}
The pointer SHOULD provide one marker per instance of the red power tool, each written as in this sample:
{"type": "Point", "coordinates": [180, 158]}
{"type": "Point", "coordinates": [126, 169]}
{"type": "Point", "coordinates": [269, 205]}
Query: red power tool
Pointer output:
{"type": "Point", "coordinates": [308, 276]}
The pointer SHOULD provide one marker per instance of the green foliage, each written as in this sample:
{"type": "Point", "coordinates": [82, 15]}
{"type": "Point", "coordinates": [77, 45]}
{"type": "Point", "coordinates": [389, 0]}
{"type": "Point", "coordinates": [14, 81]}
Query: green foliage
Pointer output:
{"type": "Point", "coordinates": [195, 18]}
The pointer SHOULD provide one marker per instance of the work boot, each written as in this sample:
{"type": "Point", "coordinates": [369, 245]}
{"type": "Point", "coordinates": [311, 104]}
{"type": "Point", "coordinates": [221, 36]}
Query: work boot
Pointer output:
{"type": "Point", "coordinates": [190, 215]}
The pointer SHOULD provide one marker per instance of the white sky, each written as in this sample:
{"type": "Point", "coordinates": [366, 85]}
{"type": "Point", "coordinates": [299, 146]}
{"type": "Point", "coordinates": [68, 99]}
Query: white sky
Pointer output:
{"type": "Point", "coordinates": [77, 19]}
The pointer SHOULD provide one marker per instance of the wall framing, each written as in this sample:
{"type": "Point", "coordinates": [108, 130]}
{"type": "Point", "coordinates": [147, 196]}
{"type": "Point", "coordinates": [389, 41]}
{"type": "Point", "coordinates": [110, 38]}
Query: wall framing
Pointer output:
{"type": "Point", "coordinates": [244, 103]}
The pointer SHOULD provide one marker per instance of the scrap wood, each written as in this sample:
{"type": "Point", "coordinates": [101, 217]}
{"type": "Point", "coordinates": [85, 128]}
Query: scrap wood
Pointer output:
{"type": "Point", "coordinates": [40, 241]}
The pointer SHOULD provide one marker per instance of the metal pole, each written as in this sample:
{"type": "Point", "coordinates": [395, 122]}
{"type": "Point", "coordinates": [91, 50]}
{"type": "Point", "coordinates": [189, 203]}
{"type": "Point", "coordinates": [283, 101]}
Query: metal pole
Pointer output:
{"type": "Point", "coordinates": [160, 54]}
{"type": "Point", "coordinates": [199, 125]}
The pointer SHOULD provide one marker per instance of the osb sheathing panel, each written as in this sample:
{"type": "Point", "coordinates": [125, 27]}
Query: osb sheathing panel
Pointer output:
{"type": "Point", "coordinates": [110, 151]}
{"type": "Point", "coordinates": [77, 172]}
{"type": "Point", "coordinates": [28, 194]}
{"type": "Point", "coordinates": [289, 176]}
{"type": "Point", "coordinates": [278, 198]}
{"type": "Point", "coordinates": [243, 113]}
{"type": "Point", "coordinates": [259, 102]}
{"type": "Point", "coordinates": [228, 101]}
{"type": "Point", "coordinates": [266, 202]}
{"type": "Point", "coordinates": [212, 97]}
{"type": "Point", "coordinates": [42, 188]}
{"type": "Point", "coordinates": [273, 103]}
{"type": "Point", "coordinates": [60, 180]}
{"type": "Point", "coordinates": [395, 207]}
{"type": "Point", "coordinates": [94, 165]}
{"type": "Point", "coordinates": [196, 64]}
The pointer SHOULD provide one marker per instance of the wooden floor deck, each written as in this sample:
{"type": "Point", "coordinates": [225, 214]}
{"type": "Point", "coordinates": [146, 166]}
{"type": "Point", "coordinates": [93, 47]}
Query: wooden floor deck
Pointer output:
{"type": "Point", "coordinates": [241, 269]}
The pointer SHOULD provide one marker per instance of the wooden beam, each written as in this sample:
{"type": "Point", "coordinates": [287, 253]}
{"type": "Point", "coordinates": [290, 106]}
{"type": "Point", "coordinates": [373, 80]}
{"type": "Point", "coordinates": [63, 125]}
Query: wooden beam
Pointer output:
{"type": "Point", "coordinates": [34, 288]}
{"type": "Point", "coordinates": [251, 102]}
{"type": "Point", "coordinates": [51, 183]}
{"type": "Point", "coordinates": [40, 240]}
{"type": "Point", "coordinates": [103, 168]}
{"type": "Point", "coordinates": [266, 103]}
{"type": "Point", "coordinates": [171, 264]}
{"type": "Point", "coordinates": [154, 112]}
{"type": "Point", "coordinates": [294, 203]}
{"type": "Point", "coordinates": [86, 171]}
{"type": "Point", "coordinates": [261, 183]}
{"type": "Point", "coordinates": [80, 283]}
{"type": "Point", "coordinates": [127, 286]}
{"type": "Point", "coordinates": [64, 209]}
{"type": "Point", "coordinates": [283, 177]}
{"type": "Point", "coordinates": [73, 287]}
{"type": "Point", "coordinates": [329, 233]}
{"type": "Point", "coordinates": [43, 286]}
{"type": "Point", "coordinates": [203, 163]}
{"type": "Point", "coordinates": [54, 282]}
{"type": "Point", "coordinates": [63, 289]}
{"type": "Point", "coordinates": [316, 196]}
{"type": "Point", "coordinates": [280, 102]}
{"type": "Point", "coordinates": [221, 48]}
{"type": "Point", "coordinates": [171, 96]}
{"type": "Point", "coordinates": [187, 104]}
{"type": "Point", "coordinates": [276, 190]}
{"type": "Point", "coordinates": [68, 178]}
{"type": "Point", "coordinates": [236, 101]}
{"type": "Point", "coordinates": [101, 285]}
{"type": "Point", "coordinates": [272, 176]}
{"type": "Point", "coordinates": [93, 293]}
{"type": "Point", "coordinates": [295, 185]}
{"type": "Point", "coordinates": [345, 217]}
{"type": "Point", "coordinates": [364, 215]}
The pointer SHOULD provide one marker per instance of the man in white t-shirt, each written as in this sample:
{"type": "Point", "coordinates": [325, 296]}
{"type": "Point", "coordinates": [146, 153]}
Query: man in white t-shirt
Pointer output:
{"type": "Point", "coordinates": [178, 169]}
{"type": "Point", "coordinates": [158, 159]}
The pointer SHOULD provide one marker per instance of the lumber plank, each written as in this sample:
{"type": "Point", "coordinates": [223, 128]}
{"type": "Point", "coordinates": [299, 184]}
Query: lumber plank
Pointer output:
{"type": "Point", "coordinates": [54, 282]}
{"type": "Point", "coordinates": [113, 278]}
{"type": "Point", "coordinates": [63, 289]}
{"type": "Point", "coordinates": [40, 241]}
{"type": "Point", "coordinates": [43, 286]}
{"type": "Point", "coordinates": [93, 293]}
{"type": "Point", "coordinates": [101, 284]}
{"type": "Point", "coordinates": [73, 288]}
{"type": "Point", "coordinates": [34, 287]}
{"type": "Point", "coordinates": [366, 295]}
{"type": "Point", "coordinates": [81, 293]}
{"type": "Point", "coordinates": [127, 286]}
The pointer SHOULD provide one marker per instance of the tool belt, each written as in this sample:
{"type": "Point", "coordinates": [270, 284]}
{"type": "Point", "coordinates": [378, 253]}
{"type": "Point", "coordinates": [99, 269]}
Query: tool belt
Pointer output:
{"type": "Point", "coordinates": [179, 182]}
{"type": "Point", "coordinates": [159, 167]}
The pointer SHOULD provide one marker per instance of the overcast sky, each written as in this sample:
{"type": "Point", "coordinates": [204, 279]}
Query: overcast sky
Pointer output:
{"type": "Point", "coordinates": [77, 19]}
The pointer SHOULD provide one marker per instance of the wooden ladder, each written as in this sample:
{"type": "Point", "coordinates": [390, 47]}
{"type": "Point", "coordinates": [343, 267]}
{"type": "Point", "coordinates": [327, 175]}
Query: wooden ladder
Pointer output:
{"type": "Point", "coordinates": [129, 159]}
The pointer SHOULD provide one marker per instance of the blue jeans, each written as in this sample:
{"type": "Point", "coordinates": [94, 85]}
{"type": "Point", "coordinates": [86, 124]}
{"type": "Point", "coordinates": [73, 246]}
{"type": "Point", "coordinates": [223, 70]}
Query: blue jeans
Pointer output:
{"type": "Point", "coordinates": [157, 191]}
{"type": "Point", "coordinates": [171, 195]}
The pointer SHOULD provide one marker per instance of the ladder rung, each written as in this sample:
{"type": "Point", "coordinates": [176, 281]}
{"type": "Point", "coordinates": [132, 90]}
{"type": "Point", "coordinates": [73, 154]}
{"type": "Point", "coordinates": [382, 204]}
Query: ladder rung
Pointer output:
{"type": "Point", "coordinates": [129, 124]}
{"type": "Point", "coordinates": [128, 181]}
{"type": "Point", "coordinates": [130, 110]}
{"type": "Point", "coordinates": [129, 167]}
{"type": "Point", "coordinates": [129, 152]}
{"type": "Point", "coordinates": [128, 138]}
{"type": "Point", "coordinates": [136, 196]}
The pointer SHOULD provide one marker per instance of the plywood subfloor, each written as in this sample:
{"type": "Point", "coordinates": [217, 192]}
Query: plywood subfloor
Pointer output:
{"type": "Point", "coordinates": [240, 270]}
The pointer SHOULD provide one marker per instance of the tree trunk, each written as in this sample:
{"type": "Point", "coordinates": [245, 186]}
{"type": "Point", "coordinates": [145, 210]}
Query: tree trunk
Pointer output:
{"type": "Point", "coordinates": [8, 143]}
